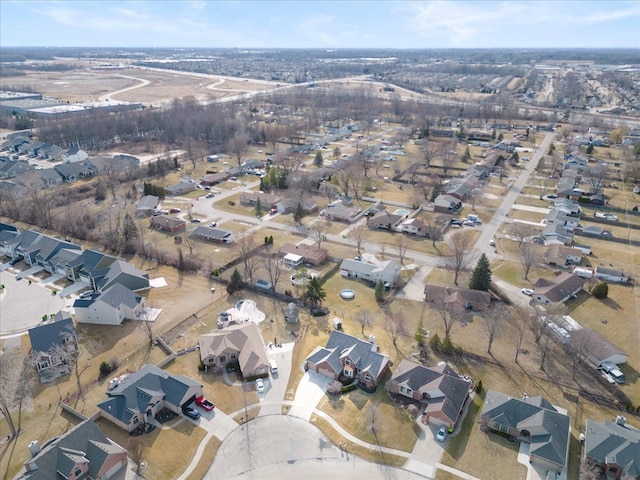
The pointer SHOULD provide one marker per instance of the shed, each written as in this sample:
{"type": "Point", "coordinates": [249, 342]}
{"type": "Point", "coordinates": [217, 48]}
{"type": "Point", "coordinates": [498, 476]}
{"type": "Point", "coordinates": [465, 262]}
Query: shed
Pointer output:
{"type": "Point", "coordinates": [293, 260]}
{"type": "Point", "coordinates": [291, 312]}
{"type": "Point", "coordinates": [337, 323]}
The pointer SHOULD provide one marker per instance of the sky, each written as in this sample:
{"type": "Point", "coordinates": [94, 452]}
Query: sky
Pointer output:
{"type": "Point", "coordinates": [321, 24]}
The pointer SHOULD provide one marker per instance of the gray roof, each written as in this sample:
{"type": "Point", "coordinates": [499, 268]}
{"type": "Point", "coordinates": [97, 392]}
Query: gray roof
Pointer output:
{"type": "Point", "coordinates": [83, 443]}
{"type": "Point", "coordinates": [614, 272]}
{"type": "Point", "coordinates": [91, 260]}
{"type": "Point", "coordinates": [531, 414]}
{"type": "Point", "coordinates": [131, 395]}
{"type": "Point", "coordinates": [610, 443]}
{"type": "Point", "coordinates": [148, 202]}
{"type": "Point", "coordinates": [209, 232]}
{"type": "Point", "coordinates": [117, 295]}
{"type": "Point", "coordinates": [116, 272]}
{"type": "Point", "coordinates": [594, 344]}
{"type": "Point", "coordinates": [46, 337]}
{"type": "Point", "coordinates": [560, 287]}
{"type": "Point", "coordinates": [361, 352]}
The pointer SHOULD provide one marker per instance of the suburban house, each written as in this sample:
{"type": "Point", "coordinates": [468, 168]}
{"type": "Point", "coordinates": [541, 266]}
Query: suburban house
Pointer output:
{"type": "Point", "coordinates": [446, 204]}
{"type": "Point", "coordinates": [82, 267]}
{"type": "Point", "coordinates": [141, 395]}
{"type": "Point", "coordinates": [267, 201]}
{"type": "Point", "coordinates": [386, 271]}
{"type": "Point", "coordinates": [561, 255]}
{"type": "Point", "coordinates": [560, 289]}
{"type": "Point", "coordinates": [211, 234]}
{"type": "Point", "coordinates": [50, 152]}
{"type": "Point", "coordinates": [147, 204]}
{"type": "Point", "coordinates": [74, 155]}
{"type": "Point", "coordinates": [457, 298]}
{"type": "Point", "coordinates": [309, 253]}
{"type": "Point", "coordinates": [74, 171]}
{"type": "Point", "coordinates": [440, 388]}
{"type": "Point", "coordinates": [290, 205]}
{"type": "Point", "coordinates": [120, 272]}
{"type": "Point", "coordinates": [595, 348]}
{"type": "Point", "coordinates": [168, 224]}
{"type": "Point", "coordinates": [568, 206]}
{"type": "Point", "coordinates": [37, 249]}
{"type": "Point", "coordinates": [49, 176]}
{"type": "Point", "coordinates": [414, 226]}
{"type": "Point", "coordinates": [179, 188]}
{"type": "Point", "coordinates": [341, 213]}
{"type": "Point", "coordinates": [82, 452]}
{"type": "Point", "coordinates": [479, 171]}
{"type": "Point", "coordinates": [384, 221]}
{"type": "Point", "coordinates": [53, 346]}
{"type": "Point", "coordinates": [557, 233]}
{"type": "Point", "coordinates": [211, 179]}
{"type": "Point", "coordinates": [615, 447]}
{"type": "Point", "coordinates": [612, 275]}
{"type": "Point", "coordinates": [532, 420]}
{"type": "Point", "coordinates": [235, 343]}
{"type": "Point", "coordinates": [11, 168]}
{"type": "Point", "coordinates": [558, 217]}
{"type": "Point", "coordinates": [350, 357]}
{"type": "Point", "coordinates": [110, 307]}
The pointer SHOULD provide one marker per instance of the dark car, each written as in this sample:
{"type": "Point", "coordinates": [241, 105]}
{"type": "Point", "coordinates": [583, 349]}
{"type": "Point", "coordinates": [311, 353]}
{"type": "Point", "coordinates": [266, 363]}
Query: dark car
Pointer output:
{"type": "Point", "coordinates": [191, 413]}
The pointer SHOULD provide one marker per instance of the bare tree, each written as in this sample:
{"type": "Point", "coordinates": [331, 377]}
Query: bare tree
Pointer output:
{"type": "Point", "coordinates": [244, 245]}
{"type": "Point", "coordinates": [520, 319]}
{"type": "Point", "coordinates": [521, 232]}
{"type": "Point", "coordinates": [273, 265]}
{"type": "Point", "coordinates": [493, 319]}
{"type": "Point", "coordinates": [447, 158]}
{"type": "Point", "coordinates": [318, 232]}
{"type": "Point", "coordinates": [530, 255]}
{"type": "Point", "coordinates": [395, 325]}
{"type": "Point", "coordinates": [190, 242]}
{"type": "Point", "coordinates": [356, 233]}
{"type": "Point", "coordinates": [596, 177]}
{"type": "Point", "coordinates": [436, 227]}
{"type": "Point", "coordinates": [543, 183]}
{"type": "Point", "coordinates": [365, 319]}
{"type": "Point", "coordinates": [15, 387]}
{"type": "Point", "coordinates": [462, 242]}
{"type": "Point", "coordinates": [238, 145]}
{"type": "Point", "coordinates": [402, 244]}
{"type": "Point", "coordinates": [429, 152]}
{"type": "Point", "coordinates": [446, 316]}
{"type": "Point", "coordinates": [89, 349]}
{"type": "Point", "coordinates": [543, 345]}
{"type": "Point", "coordinates": [137, 451]}
{"type": "Point", "coordinates": [580, 347]}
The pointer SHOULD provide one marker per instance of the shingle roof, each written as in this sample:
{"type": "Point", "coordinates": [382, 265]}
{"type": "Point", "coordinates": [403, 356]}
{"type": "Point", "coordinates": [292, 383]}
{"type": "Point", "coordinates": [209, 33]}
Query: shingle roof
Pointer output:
{"type": "Point", "coordinates": [560, 287]}
{"type": "Point", "coordinates": [615, 444]}
{"type": "Point", "coordinates": [595, 344]}
{"type": "Point", "coordinates": [246, 340]}
{"type": "Point", "coordinates": [45, 337]}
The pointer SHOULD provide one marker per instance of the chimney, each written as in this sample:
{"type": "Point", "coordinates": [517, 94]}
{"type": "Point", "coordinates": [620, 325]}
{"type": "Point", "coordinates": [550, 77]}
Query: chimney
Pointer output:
{"type": "Point", "coordinates": [34, 448]}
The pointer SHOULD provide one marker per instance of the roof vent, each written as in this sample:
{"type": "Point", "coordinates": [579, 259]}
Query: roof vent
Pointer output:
{"type": "Point", "coordinates": [34, 448]}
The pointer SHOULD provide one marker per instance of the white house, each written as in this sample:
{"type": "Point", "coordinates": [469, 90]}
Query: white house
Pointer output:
{"type": "Point", "coordinates": [386, 271]}
{"type": "Point", "coordinates": [110, 307]}
{"type": "Point", "coordinates": [292, 260]}
{"type": "Point", "coordinates": [74, 155]}
{"type": "Point", "coordinates": [610, 275]}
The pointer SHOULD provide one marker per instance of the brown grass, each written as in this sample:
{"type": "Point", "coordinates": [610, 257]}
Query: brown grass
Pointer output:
{"type": "Point", "coordinates": [204, 464]}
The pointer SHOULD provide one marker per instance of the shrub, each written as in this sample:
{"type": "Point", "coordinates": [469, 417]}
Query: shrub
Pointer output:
{"type": "Point", "coordinates": [201, 366]}
{"type": "Point", "coordinates": [435, 342]}
{"type": "Point", "coordinates": [45, 317]}
{"type": "Point", "coordinates": [105, 368]}
{"type": "Point", "coordinates": [601, 290]}
{"type": "Point", "coordinates": [334, 388]}
{"type": "Point", "coordinates": [479, 387]}
{"type": "Point", "coordinates": [413, 411]}
{"type": "Point", "coordinates": [349, 388]}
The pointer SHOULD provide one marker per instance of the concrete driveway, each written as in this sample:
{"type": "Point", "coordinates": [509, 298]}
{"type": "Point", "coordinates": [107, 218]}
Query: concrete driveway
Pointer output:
{"type": "Point", "coordinates": [311, 389]}
{"type": "Point", "coordinates": [271, 401]}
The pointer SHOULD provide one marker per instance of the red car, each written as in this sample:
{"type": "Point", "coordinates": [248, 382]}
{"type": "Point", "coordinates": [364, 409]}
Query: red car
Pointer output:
{"type": "Point", "coordinates": [204, 403]}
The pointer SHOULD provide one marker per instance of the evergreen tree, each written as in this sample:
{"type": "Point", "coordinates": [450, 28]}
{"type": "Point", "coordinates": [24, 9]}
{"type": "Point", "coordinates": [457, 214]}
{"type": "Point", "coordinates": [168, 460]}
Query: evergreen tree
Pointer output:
{"type": "Point", "coordinates": [298, 214]}
{"type": "Point", "coordinates": [315, 294]}
{"type": "Point", "coordinates": [283, 178]}
{"type": "Point", "coordinates": [436, 191]}
{"type": "Point", "coordinates": [466, 156]}
{"type": "Point", "coordinates": [601, 290]}
{"type": "Point", "coordinates": [259, 209]}
{"type": "Point", "coordinates": [481, 276]}
{"type": "Point", "coordinates": [318, 160]}
{"type": "Point", "coordinates": [235, 283]}
{"type": "Point", "coordinates": [379, 292]}
{"type": "Point", "coordinates": [336, 152]}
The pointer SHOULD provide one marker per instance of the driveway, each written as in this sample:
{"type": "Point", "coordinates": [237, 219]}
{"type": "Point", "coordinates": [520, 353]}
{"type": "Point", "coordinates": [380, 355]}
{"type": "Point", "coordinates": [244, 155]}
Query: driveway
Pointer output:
{"type": "Point", "coordinates": [311, 389]}
{"type": "Point", "coordinates": [271, 402]}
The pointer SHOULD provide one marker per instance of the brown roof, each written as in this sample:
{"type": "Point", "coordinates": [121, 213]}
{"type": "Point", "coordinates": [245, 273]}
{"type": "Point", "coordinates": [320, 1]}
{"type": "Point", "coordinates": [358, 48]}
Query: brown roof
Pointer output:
{"type": "Point", "coordinates": [309, 252]}
{"type": "Point", "coordinates": [245, 339]}
{"type": "Point", "coordinates": [265, 198]}
{"type": "Point", "coordinates": [458, 295]}
{"type": "Point", "coordinates": [166, 221]}
{"type": "Point", "coordinates": [557, 250]}
{"type": "Point", "coordinates": [560, 287]}
{"type": "Point", "coordinates": [594, 343]}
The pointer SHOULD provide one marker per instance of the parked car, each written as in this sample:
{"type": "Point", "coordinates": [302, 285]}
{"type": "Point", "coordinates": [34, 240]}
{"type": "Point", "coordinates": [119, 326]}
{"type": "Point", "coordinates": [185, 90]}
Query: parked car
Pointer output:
{"type": "Point", "coordinates": [611, 217]}
{"type": "Point", "coordinates": [175, 210]}
{"type": "Point", "coordinates": [191, 412]}
{"type": "Point", "coordinates": [456, 225]}
{"type": "Point", "coordinates": [209, 195]}
{"type": "Point", "coordinates": [442, 433]}
{"type": "Point", "coordinates": [259, 385]}
{"type": "Point", "coordinates": [233, 178]}
{"type": "Point", "coordinates": [213, 224]}
{"type": "Point", "coordinates": [195, 220]}
{"type": "Point", "coordinates": [527, 291]}
{"type": "Point", "coordinates": [273, 211]}
{"type": "Point", "coordinates": [492, 243]}
{"type": "Point", "coordinates": [538, 240]}
{"type": "Point", "coordinates": [552, 196]}
{"type": "Point", "coordinates": [204, 403]}
{"type": "Point", "coordinates": [86, 294]}
{"type": "Point", "coordinates": [468, 223]}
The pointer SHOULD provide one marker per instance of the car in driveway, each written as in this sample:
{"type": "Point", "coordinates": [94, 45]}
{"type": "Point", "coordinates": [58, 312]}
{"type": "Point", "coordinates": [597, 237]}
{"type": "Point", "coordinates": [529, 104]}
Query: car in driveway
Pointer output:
{"type": "Point", "coordinates": [492, 243]}
{"type": "Point", "coordinates": [552, 196]}
{"type": "Point", "coordinates": [273, 211]}
{"type": "Point", "coordinates": [610, 217]}
{"type": "Point", "coordinates": [468, 223]}
{"type": "Point", "coordinates": [259, 385]}
{"type": "Point", "coordinates": [195, 220]}
{"type": "Point", "coordinates": [191, 412]}
{"type": "Point", "coordinates": [442, 433]}
{"type": "Point", "coordinates": [527, 291]}
{"type": "Point", "coordinates": [204, 403]}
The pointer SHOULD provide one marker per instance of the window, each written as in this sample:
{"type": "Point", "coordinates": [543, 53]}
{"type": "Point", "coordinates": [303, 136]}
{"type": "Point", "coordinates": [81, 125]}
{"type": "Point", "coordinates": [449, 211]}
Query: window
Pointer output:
{"type": "Point", "coordinates": [409, 391]}
{"type": "Point", "coordinates": [501, 428]}
{"type": "Point", "coordinates": [367, 377]}
{"type": "Point", "coordinates": [223, 359]}
{"type": "Point", "coordinates": [78, 472]}
{"type": "Point", "coordinates": [135, 420]}
{"type": "Point", "coordinates": [42, 365]}
{"type": "Point", "coordinates": [347, 373]}
{"type": "Point", "coordinates": [233, 356]}
{"type": "Point", "coordinates": [402, 390]}
{"type": "Point", "coordinates": [347, 362]}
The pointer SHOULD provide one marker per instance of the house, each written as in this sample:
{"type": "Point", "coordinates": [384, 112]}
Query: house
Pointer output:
{"type": "Point", "coordinates": [561, 255]}
{"type": "Point", "coordinates": [386, 271]}
{"type": "Point", "coordinates": [211, 234]}
{"type": "Point", "coordinates": [565, 187]}
{"type": "Point", "coordinates": [568, 206]}
{"type": "Point", "coordinates": [168, 224]}
{"type": "Point", "coordinates": [341, 213]}
{"type": "Point", "coordinates": [110, 307]}
{"type": "Point", "coordinates": [557, 233]}
{"type": "Point", "coordinates": [50, 152]}
{"type": "Point", "coordinates": [560, 289]}
{"type": "Point", "coordinates": [11, 168]}
{"type": "Point", "coordinates": [610, 274]}
{"type": "Point", "coordinates": [211, 179]}
{"type": "Point", "coordinates": [615, 447]}
{"type": "Point", "coordinates": [440, 388]}
{"type": "Point", "coordinates": [293, 260]}
{"type": "Point", "coordinates": [82, 267]}
{"type": "Point", "coordinates": [74, 155]}
{"type": "Point", "coordinates": [53, 346]}
{"type": "Point", "coordinates": [558, 217]}
{"type": "Point", "coordinates": [457, 298]}
{"type": "Point", "coordinates": [267, 201]}
{"type": "Point", "coordinates": [236, 343]}
{"type": "Point", "coordinates": [309, 253]}
{"type": "Point", "coordinates": [291, 313]}
{"type": "Point", "coordinates": [179, 188]}
{"type": "Point", "coordinates": [141, 395]}
{"type": "Point", "coordinates": [350, 357]}
{"type": "Point", "coordinates": [595, 348]}
{"type": "Point", "coordinates": [14, 144]}
{"type": "Point", "coordinates": [414, 226]}
{"type": "Point", "coordinates": [290, 205]}
{"type": "Point", "coordinates": [72, 172]}
{"type": "Point", "coordinates": [384, 221]}
{"type": "Point", "coordinates": [447, 204]}
{"type": "Point", "coordinates": [81, 452]}
{"type": "Point", "coordinates": [532, 420]}
{"type": "Point", "coordinates": [479, 171]}
{"type": "Point", "coordinates": [147, 204]}
{"type": "Point", "coordinates": [10, 190]}
{"type": "Point", "coordinates": [49, 176]}
{"type": "Point", "coordinates": [38, 249]}
{"type": "Point", "coordinates": [120, 272]}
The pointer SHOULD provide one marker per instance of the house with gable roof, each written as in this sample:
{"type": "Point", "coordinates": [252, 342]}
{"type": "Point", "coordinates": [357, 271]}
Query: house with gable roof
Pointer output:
{"type": "Point", "coordinates": [615, 447]}
{"type": "Point", "coordinates": [596, 348]}
{"type": "Point", "coordinates": [110, 307]}
{"type": "Point", "coordinates": [457, 298]}
{"type": "Point", "coordinates": [532, 420]}
{"type": "Point", "coordinates": [82, 452]}
{"type": "Point", "coordinates": [560, 289]}
{"type": "Point", "coordinates": [440, 388]}
{"type": "Point", "coordinates": [54, 345]}
{"type": "Point", "coordinates": [139, 396]}
{"type": "Point", "coordinates": [350, 357]}
{"type": "Point", "coordinates": [236, 343]}
{"type": "Point", "coordinates": [386, 271]}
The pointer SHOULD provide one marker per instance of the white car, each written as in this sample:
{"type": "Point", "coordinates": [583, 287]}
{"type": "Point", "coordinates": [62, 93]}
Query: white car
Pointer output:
{"type": "Point", "coordinates": [259, 385]}
{"type": "Point", "coordinates": [527, 291]}
{"type": "Point", "coordinates": [442, 434]}
{"type": "Point", "coordinates": [468, 223]}
{"type": "Point", "coordinates": [610, 217]}
{"type": "Point", "coordinates": [492, 243]}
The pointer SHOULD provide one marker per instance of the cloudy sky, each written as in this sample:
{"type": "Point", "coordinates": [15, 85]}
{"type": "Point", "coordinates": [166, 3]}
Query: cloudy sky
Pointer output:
{"type": "Point", "coordinates": [321, 24]}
